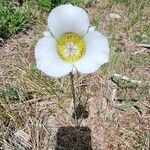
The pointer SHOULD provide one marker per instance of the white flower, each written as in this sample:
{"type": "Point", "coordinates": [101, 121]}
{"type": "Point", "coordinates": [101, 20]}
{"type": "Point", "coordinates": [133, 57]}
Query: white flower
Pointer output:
{"type": "Point", "coordinates": [72, 45]}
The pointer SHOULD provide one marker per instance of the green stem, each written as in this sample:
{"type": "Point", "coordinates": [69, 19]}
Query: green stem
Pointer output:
{"type": "Point", "coordinates": [73, 90]}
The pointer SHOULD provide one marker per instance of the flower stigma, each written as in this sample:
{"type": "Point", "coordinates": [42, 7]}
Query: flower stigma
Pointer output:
{"type": "Point", "coordinates": [70, 47]}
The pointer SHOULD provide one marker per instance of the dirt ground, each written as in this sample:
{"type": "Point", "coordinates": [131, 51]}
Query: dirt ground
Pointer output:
{"type": "Point", "coordinates": [118, 109]}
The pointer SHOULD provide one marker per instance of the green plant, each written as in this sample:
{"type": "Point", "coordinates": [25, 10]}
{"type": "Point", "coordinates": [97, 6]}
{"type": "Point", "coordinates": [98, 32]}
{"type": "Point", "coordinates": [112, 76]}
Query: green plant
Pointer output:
{"type": "Point", "coordinates": [97, 22]}
{"type": "Point", "coordinates": [44, 3]}
{"type": "Point", "coordinates": [142, 36]}
{"type": "Point", "coordinates": [13, 18]}
{"type": "Point", "coordinates": [139, 61]}
{"type": "Point", "coordinates": [11, 92]}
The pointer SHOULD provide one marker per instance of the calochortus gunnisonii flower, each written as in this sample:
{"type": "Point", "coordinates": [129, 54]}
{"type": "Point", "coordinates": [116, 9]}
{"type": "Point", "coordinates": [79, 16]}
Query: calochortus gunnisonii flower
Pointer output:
{"type": "Point", "coordinates": [72, 46]}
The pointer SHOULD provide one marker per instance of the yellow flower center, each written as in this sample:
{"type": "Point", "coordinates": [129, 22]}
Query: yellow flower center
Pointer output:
{"type": "Point", "coordinates": [70, 47]}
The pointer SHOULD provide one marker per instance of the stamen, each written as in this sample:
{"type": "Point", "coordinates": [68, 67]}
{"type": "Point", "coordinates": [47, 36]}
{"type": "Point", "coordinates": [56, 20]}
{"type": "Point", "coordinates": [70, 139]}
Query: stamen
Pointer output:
{"type": "Point", "coordinates": [70, 47]}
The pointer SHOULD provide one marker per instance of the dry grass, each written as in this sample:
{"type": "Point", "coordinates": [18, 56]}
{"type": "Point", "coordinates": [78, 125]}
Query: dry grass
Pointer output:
{"type": "Point", "coordinates": [119, 116]}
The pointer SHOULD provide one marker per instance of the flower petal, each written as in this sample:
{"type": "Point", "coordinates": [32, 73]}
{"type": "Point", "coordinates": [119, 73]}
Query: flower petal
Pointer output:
{"type": "Point", "coordinates": [68, 18]}
{"type": "Point", "coordinates": [97, 53]}
{"type": "Point", "coordinates": [92, 28]}
{"type": "Point", "coordinates": [47, 59]}
{"type": "Point", "coordinates": [47, 33]}
{"type": "Point", "coordinates": [96, 41]}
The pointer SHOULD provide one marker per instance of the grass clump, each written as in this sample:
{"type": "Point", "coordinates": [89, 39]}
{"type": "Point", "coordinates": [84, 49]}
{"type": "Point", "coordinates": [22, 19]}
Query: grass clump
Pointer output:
{"type": "Point", "coordinates": [14, 18]}
{"type": "Point", "coordinates": [53, 3]}
{"type": "Point", "coordinates": [126, 2]}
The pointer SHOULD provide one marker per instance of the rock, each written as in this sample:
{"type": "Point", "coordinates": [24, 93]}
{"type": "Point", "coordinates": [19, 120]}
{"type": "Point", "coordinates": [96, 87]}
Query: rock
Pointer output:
{"type": "Point", "coordinates": [115, 16]}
